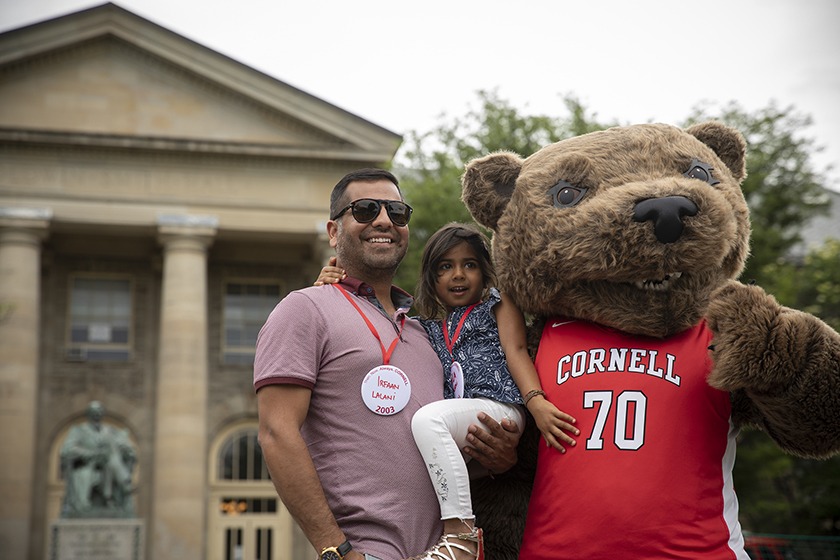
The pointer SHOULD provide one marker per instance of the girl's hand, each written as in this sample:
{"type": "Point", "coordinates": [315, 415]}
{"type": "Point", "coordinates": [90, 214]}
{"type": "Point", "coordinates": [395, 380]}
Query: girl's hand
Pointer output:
{"type": "Point", "coordinates": [330, 274]}
{"type": "Point", "coordinates": [553, 423]}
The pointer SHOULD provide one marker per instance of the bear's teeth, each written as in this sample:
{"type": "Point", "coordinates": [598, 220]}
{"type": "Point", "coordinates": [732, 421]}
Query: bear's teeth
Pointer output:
{"type": "Point", "coordinates": [658, 285]}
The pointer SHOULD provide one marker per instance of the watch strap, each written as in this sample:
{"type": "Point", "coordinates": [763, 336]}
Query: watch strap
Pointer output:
{"type": "Point", "coordinates": [344, 548]}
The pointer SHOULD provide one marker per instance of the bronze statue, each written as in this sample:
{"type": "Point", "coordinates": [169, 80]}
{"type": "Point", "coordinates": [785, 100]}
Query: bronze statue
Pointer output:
{"type": "Point", "coordinates": [97, 461]}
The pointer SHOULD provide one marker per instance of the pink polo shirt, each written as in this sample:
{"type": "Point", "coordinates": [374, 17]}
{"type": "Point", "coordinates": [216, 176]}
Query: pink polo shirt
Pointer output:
{"type": "Point", "coordinates": [374, 478]}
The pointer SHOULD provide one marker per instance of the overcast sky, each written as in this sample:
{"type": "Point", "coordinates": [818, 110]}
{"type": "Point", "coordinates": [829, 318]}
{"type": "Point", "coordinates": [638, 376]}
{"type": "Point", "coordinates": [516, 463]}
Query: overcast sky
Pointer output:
{"type": "Point", "coordinates": [403, 64]}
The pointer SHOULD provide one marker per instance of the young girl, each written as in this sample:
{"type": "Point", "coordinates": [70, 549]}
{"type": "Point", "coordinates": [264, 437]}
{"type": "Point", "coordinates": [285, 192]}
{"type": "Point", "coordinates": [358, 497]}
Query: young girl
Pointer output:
{"type": "Point", "coordinates": [479, 336]}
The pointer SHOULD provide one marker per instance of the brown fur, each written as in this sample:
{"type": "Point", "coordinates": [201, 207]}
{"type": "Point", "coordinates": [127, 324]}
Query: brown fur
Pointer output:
{"type": "Point", "coordinates": [782, 366]}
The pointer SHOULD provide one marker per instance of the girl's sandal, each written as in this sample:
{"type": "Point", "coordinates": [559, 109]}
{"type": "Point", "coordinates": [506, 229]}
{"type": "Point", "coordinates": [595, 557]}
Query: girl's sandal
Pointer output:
{"type": "Point", "coordinates": [443, 550]}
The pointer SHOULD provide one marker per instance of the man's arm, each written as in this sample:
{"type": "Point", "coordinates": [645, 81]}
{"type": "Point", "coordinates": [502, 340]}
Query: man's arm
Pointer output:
{"type": "Point", "coordinates": [282, 410]}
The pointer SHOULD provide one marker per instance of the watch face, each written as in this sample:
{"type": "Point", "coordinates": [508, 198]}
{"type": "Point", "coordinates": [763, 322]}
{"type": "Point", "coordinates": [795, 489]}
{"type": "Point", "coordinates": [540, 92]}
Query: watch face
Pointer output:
{"type": "Point", "coordinates": [330, 555]}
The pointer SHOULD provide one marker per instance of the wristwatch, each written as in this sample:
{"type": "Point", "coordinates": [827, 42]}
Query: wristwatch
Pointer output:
{"type": "Point", "coordinates": [336, 552]}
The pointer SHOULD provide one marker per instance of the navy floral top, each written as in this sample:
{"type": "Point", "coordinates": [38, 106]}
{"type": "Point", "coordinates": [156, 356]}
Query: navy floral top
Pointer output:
{"type": "Point", "coordinates": [478, 350]}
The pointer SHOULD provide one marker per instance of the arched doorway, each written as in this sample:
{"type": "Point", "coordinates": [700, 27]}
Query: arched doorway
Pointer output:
{"type": "Point", "coordinates": [247, 521]}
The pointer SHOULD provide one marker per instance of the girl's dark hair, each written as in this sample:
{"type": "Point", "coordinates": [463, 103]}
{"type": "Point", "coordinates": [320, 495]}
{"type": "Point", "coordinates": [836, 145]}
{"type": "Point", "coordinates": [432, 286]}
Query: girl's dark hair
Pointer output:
{"type": "Point", "coordinates": [439, 243]}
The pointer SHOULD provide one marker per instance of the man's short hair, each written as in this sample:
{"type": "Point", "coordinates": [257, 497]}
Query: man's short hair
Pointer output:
{"type": "Point", "coordinates": [368, 174]}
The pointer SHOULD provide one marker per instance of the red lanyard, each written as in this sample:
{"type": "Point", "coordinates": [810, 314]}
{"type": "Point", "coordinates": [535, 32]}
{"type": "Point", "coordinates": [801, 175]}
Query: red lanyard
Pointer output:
{"type": "Point", "coordinates": [386, 354]}
{"type": "Point", "coordinates": [451, 343]}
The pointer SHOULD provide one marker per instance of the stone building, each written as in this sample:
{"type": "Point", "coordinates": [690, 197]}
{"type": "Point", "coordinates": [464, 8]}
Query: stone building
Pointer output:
{"type": "Point", "coordinates": [156, 200]}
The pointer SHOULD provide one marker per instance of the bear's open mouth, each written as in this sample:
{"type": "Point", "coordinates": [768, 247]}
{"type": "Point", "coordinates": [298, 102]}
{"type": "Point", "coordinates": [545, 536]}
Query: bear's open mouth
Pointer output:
{"type": "Point", "coordinates": [658, 285]}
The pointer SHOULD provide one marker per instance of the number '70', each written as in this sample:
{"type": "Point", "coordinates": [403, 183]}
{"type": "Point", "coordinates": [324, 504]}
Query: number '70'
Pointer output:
{"type": "Point", "coordinates": [604, 400]}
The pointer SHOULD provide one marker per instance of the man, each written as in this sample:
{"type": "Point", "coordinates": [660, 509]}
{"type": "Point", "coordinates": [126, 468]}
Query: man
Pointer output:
{"type": "Point", "coordinates": [339, 372]}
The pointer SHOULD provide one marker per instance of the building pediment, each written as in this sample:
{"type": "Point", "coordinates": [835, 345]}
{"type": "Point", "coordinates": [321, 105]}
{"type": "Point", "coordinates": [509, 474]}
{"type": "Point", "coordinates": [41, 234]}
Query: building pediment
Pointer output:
{"type": "Point", "coordinates": [108, 77]}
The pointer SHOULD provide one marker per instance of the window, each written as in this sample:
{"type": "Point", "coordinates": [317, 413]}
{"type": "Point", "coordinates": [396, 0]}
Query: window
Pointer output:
{"type": "Point", "coordinates": [240, 457]}
{"type": "Point", "coordinates": [231, 505]}
{"type": "Point", "coordinates": [100, 319]}
{"type": "Point", "coordinates": [246, 308]}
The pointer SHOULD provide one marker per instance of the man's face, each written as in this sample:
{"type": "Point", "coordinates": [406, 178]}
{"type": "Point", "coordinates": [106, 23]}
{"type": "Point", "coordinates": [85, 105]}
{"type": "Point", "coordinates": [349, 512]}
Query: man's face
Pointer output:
{"type": "Point", "coordinates": [371, 250]}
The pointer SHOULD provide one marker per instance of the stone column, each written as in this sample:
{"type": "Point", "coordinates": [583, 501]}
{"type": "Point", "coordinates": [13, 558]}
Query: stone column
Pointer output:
{"type": "Point", "coordinates": [180, 461]}
{"type": "Point", "coordinates": [21, 233]}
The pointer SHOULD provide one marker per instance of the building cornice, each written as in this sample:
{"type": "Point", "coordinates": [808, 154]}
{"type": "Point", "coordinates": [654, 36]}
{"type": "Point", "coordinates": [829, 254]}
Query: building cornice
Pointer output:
{"type": "Point", "coordinates": [341, 152]}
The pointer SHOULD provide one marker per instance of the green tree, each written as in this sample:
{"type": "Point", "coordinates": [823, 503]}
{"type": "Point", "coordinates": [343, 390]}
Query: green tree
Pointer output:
{"type": "Point", "coordinates": [820, 282]}
{"type": "Point", "coordinates": [790, 494]}
{"type": "Point", "coordinates": [817, 509]}
{"type": "Point", "coordinates": [782, 188]}
{"type": "Point", "coordinates": [812, 284]}
{"type": "Point", "coordinates": [431, 163]}
{"type": "Point", "coordinates": [763, 480]}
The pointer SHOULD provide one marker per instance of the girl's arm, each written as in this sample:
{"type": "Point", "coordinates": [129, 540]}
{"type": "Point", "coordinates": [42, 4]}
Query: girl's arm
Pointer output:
{"type": "Point", "coordinates": [553, 423]}
{"type": "Point", "coordinates": [330, 274]}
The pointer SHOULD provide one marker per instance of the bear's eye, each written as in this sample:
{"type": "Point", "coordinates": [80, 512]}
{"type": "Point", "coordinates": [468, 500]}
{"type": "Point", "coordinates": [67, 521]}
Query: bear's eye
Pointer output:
{"type": "Point", "coordinates": [564, 194]}
{"type": "Point", "coordinates": [701, 171]}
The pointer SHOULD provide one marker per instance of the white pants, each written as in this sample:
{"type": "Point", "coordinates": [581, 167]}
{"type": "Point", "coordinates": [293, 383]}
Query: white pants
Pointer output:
{"type": "Point", "coordinates": [440, 431]}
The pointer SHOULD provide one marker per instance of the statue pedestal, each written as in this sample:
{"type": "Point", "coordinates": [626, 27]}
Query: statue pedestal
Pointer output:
{"type": "Point", "coordinates": [96, 539]}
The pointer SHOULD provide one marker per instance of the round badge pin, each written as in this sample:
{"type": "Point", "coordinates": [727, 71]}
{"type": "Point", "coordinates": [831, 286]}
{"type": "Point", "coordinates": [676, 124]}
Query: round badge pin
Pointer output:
{"type": "Point", "coordinates": [456, 378]}
{"type": "Point", "coordinates": [386, 390]}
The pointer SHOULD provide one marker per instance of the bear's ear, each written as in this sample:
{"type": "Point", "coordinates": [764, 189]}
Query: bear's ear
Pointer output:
{"type": "Point", "coordinates": [488, 184]}
{"type": "Point", "coordinates": [726, 142]}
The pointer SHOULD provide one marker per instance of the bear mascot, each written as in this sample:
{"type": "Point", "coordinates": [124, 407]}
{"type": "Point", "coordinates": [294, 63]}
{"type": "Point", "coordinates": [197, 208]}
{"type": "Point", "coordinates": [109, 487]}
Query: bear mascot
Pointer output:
{"type": "Point", "coordinates": [624, 246]}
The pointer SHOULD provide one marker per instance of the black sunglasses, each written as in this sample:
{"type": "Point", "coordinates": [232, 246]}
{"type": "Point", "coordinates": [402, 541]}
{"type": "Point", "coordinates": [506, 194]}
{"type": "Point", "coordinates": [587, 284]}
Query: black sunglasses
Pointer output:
{"type": "Point", "coordinates": [365, 210]}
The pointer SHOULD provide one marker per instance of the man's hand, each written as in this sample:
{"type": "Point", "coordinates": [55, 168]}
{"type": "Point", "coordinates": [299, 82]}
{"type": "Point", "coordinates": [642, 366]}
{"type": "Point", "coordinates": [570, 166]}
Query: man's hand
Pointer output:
{"type": "Point", "coordinates": [494, 446]}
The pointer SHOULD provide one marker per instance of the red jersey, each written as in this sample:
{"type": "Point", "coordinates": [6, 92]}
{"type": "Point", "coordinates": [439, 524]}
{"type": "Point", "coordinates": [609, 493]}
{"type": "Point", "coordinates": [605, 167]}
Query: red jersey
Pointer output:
{"type": "Point", "coordinates": [651, 474]}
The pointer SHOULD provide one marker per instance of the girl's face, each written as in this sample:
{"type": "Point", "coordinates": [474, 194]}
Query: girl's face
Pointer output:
{"type": "Point", "coordinates": [460, 281]}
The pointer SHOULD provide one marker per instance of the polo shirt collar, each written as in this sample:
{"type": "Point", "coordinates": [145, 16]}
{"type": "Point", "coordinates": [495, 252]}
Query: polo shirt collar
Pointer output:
{"type": "Point", "coordinates": [402, 299]}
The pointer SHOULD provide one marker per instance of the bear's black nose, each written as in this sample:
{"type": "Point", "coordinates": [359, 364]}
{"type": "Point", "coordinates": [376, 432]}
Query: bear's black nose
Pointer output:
{"type": "Point", "coordinates": [666, 213]}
